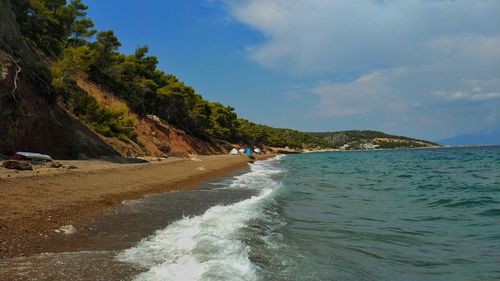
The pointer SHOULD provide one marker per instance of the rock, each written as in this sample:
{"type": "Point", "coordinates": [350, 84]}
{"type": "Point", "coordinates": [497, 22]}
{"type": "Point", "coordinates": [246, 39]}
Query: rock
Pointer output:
{"type": "Point", "coordinates": [56, 164]}
{"type": "Point", "coordinates": [154, 118]}
{"type": "Point", "coordinates": [66, 229]}
{"type": "Point", "coordinates": [17, 165]}
{"type": "Point", "coordinates": [164, 148]}
{"type": "Point", "coordinates": [71, 167]}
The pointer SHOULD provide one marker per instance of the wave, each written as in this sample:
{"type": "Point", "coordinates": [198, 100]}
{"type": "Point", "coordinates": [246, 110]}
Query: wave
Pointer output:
{"type": "Point", "coordinates": [207, 247]}
{"type": "Point", "coordinates": [480, 201]}
{"type": "Point", "coordinates": [472, 202]}
{"type": "Point", "coordinates": [490, 213]}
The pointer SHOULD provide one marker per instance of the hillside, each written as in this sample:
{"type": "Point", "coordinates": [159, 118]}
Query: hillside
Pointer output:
{"type": "Point", "coordinates": [66, 90]}
{"type": "Point", "coordinates": [76, 118]}
{"type": "Point", "coordinates": [367, 139]}
{"type": "Point", "coordinates": [29, 117]}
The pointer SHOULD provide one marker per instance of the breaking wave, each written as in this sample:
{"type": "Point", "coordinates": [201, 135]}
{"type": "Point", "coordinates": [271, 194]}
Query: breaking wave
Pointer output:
{"type": "Point", "coordinates": [208, 247]}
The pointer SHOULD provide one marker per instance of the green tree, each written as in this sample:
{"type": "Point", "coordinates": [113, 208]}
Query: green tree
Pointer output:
{"type": "Point", "coordinates": [52, 24]}
{"type": "Point", "coordinates": [80, 27]}
{"type": "Point", "coordinates": [72, 61]}
{"type": "Point", "coordinates": [224, 121]}
{"type": "Point", "coordinates": [106, 47]}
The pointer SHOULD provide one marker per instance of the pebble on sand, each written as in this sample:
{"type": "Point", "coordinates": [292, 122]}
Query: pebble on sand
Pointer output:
{"type": "Point", "coordinates": [66, 229]}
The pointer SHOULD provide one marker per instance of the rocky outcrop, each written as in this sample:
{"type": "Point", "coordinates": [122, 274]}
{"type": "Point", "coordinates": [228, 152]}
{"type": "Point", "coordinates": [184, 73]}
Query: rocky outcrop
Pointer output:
{"type": "Point", "coordinates": [17, 165]}
{"type": "Point", "coordinates": [337, 139]}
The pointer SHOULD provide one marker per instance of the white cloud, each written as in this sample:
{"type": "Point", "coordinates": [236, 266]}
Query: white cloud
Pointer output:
{"type": "Point", "coordinates": [372, 92]}
{"type": "Point", "coordinates": [471, 96]}
{"type": "Point", "coordinates": [479, 90]}
{"type": "Point", "coordinates": [308, 36]}
{"type": "Point", "coordinates": [418, 65]}
{"type": "Point", "coordinates": [468, 45]}
{"type": "Point", "coordinates": [405, 100]}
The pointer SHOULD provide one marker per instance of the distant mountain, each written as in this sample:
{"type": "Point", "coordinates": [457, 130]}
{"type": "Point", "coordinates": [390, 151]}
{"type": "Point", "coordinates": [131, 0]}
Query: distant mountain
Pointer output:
{"type": "Point", "coordinates": [368, 139]}
{"type": "Point", "coordinates": [472, 139]}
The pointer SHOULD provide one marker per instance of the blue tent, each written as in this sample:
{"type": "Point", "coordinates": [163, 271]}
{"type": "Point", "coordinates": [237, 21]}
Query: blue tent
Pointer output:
{"type": "Point", "coordinates": [248, 151]}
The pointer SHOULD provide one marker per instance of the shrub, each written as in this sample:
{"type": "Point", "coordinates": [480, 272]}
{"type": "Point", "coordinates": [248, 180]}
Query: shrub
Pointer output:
{"type": "Point", "coordinates": [108, 121]}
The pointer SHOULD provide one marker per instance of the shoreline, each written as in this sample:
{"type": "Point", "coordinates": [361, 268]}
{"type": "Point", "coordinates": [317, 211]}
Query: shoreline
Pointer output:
{"type": "Point", "coordinates": [399, 148]}
{"type": "Point", "coordinates": [34, 207]}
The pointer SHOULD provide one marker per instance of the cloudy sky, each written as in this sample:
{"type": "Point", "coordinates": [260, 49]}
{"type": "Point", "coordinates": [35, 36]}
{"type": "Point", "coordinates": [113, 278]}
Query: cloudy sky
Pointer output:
{"type": "Point", "coordinates": [427, 69]}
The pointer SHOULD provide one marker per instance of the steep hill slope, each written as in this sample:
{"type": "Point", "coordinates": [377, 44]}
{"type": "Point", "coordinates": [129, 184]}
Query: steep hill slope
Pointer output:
{"type": "Point", "coordinates": [33, 118]}
{"type": "Point", "coordinates": [151, 136]}
{"type": "Point", "coordinates": [29, 119]}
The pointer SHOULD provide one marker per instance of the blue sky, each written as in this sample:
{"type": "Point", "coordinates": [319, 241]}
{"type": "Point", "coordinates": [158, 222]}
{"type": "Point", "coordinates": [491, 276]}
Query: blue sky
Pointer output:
{"type": "Point", "coordinates": [427, 69]}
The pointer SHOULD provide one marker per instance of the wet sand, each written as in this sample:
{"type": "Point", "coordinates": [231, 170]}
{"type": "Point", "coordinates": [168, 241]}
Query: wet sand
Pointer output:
{"type": "Point", "coordinates": [90, 254]}
{"type": "Point", "coordinates": [32, 207]}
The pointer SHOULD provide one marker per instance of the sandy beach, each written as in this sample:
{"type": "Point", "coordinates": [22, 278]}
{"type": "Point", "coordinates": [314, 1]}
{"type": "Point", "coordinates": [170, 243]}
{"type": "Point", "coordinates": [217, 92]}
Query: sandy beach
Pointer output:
{"type": "Point", "coordinates": [36, 203]}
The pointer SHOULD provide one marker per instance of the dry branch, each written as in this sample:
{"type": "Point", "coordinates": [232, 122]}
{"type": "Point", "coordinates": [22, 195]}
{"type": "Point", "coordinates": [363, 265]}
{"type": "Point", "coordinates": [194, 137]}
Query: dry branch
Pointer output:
{"type": "Point", "coordinates": [16, 77]}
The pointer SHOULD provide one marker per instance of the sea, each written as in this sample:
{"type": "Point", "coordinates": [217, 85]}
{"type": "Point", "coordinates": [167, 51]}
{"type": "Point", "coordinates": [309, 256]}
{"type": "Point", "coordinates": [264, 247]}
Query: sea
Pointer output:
{"type": "Point", "coordinates": [427, 214]}
{"type": "Point", "coordinates": [419, 214]}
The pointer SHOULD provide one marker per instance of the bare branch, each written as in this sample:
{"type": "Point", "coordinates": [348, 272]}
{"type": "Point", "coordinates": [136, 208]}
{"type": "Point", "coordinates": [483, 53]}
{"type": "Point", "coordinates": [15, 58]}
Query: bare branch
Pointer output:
{"type": "Point", "coordinates": [16, 77]}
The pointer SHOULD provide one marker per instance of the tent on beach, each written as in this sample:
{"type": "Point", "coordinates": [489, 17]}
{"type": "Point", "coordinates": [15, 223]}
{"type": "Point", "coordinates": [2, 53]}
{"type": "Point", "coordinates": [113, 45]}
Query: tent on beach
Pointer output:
{"type": "Point", "coordinates": [233, 151]}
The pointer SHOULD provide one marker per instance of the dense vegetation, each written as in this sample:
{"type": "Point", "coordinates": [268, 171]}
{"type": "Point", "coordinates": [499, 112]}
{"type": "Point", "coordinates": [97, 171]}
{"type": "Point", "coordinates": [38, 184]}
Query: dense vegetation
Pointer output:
{"type": "Point", "coordinates": [280, 137]}
{"type": "Point", "coordinates": [61, 30]}
{"type": "Point", "coordinates": [355, 139]}
{"type": "Point", "coordinates": [67, 37]}
{"type": "Point", "coordinates": [352, 135]}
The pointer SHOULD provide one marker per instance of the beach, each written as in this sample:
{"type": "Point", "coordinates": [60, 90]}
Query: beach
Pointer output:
{"type": "Point", "coordinates": [36, 203]}
{"type": "Point", "coordinates": [361, 215]}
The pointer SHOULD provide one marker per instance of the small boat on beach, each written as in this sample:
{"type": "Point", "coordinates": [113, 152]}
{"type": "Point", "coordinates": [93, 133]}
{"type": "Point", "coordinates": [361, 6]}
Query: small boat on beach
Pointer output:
{"type": "Point", "coordinates": [21, 155]}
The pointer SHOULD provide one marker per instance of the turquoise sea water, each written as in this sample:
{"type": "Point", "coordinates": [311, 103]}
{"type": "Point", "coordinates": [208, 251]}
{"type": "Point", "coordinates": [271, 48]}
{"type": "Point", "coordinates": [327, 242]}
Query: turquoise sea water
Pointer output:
{"type": "Point", "coordinates": [429, 214]}
{"type": "Point", "coordinates": [390, 215]}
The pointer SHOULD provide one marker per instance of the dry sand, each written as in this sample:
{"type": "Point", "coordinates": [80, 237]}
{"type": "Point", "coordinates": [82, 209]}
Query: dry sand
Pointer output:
{"type": "Point", "coordinates": [35, 203]}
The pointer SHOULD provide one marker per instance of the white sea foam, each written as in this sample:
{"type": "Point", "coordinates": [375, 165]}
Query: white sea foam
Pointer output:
{"type": "Point", "coordinates": [206, 247]}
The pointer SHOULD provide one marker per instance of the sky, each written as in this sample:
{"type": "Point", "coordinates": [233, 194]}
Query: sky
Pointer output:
{"type": "Point", "coordinates": [421, 68]}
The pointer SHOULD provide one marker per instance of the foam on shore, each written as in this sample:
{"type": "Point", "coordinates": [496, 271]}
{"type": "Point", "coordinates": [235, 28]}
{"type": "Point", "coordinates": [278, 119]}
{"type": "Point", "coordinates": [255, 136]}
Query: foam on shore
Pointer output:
{"type": "Point", "coordinates": [206, 247]}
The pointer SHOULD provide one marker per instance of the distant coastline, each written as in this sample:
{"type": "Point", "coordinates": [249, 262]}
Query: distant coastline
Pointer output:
{"type": "Point", "coordinates": [399, 148]}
